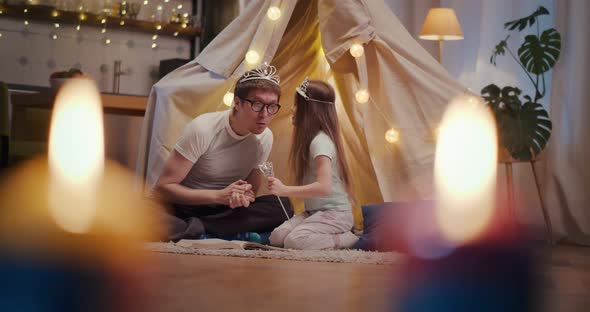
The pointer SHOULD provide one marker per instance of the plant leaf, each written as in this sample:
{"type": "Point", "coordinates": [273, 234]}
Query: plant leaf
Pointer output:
{"type": "Point", "coordinates": [540, 55]}
{"type": "Point", "coordinates": [500, 49]}
{"type": "Point", "coordinates": [503, 100]}
{"type": "Point", "coordinates": [526, 132]}
{"type": "Point", "coordinates": [521, 23]}
{"type": "Point", "coordinates": [523, 129]}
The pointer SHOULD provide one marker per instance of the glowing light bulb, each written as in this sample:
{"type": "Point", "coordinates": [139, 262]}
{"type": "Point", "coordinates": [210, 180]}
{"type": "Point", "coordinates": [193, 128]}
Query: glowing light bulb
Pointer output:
{"type": "Point", "coordinates": [362, 96]}
{"type": "Point", "coordinates": [252, 57]}
{"type": "Point", "coordinates": [107, 41]}
{"type": "Point", "coordinates": [175, 34]}
{"type": "Point", "coordinates": [154, 37]}
{"type": "Point", "coordinates": [228, 98]}
{"type": "Point", "coordinates": [273, 13]}
{"type": "Point", "coordinates": [356, 50]}
{"type": "Point", "coordinates": [154, 45]}
{"type": "Point", "coordinates": [391, 135]}
{"type": "Point", "coordinates": [122, 23]}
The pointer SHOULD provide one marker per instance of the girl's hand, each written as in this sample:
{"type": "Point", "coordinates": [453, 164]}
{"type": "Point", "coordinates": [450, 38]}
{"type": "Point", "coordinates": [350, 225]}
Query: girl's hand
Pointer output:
{"type": "Point", "coordinates": [276, 187]}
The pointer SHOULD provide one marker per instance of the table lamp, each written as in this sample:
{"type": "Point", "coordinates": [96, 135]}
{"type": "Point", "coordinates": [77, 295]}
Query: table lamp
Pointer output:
{"type": "Point", "coordinates": [441, 24]}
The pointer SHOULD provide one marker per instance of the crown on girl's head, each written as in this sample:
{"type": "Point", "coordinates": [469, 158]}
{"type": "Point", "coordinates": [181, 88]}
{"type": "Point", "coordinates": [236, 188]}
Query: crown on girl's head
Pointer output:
{"type": "Point", "coordinates": [264, 72]}
{"type": "Point", "coordinates": [302, 90]}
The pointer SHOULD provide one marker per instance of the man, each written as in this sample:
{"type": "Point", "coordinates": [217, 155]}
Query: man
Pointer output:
{"type": "Point", "coordinates": [211, 177]}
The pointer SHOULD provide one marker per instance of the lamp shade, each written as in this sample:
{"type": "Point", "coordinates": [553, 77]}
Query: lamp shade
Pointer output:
{"type": "Point", "coordinates": [441, 24]}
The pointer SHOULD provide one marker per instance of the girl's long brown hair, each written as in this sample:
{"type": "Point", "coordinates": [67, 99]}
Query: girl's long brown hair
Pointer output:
{"type": "Point", "coordinates": [310, 118]}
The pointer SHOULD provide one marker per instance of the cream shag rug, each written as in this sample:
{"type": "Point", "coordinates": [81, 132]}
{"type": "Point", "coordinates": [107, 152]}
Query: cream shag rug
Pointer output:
{"type": "Point", "coordinates": [340, 256]}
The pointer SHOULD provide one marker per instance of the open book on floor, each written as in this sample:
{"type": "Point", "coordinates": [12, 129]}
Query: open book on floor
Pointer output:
{"type": "Point", "coordinates": [216, 243]}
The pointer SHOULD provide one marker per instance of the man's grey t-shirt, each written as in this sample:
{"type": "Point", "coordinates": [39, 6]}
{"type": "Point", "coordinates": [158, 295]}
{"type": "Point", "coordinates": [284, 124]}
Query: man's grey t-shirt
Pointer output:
{"type": "Point", "coordinates": [322, 145]}
{"type": "Point", "coordinates": [219, 155]}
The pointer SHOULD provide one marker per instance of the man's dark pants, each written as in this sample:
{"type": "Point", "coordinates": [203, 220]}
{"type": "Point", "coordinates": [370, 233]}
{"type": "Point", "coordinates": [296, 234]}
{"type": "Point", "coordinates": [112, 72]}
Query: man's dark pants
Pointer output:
{"type": "Point", "coordinates": [263, 215]}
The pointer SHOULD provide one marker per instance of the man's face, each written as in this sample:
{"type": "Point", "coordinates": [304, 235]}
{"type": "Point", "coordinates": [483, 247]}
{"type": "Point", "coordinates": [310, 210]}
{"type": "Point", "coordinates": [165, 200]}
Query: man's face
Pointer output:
{"type": "Point", "coordinates": [256, 122]}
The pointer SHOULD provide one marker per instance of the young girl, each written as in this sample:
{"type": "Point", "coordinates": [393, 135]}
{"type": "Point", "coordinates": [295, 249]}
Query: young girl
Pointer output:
{"type": "Point", "coordinates": [320, 169]}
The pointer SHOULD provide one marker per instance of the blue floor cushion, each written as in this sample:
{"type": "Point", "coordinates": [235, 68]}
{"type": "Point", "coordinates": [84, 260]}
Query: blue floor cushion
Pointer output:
{"type": "Point", "coordinates": [385, 225]}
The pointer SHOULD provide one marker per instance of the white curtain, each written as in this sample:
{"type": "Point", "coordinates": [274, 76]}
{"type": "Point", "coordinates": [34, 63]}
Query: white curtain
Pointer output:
{"type": "Point", "coordinates": [567, 175]}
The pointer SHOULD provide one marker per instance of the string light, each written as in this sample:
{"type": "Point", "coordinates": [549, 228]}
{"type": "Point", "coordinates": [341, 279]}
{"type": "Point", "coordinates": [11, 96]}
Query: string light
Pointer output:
{"type": "Point", "coordinates": [362, 96]}
{"type": "Point", "coordinates": [273, 13]}
{"type": "Point", "coordinates": [391, 135]}
{"type": "Point", "coordinates": [356, 50]}
{"type": "Point", "coordinates": [228, 98]}
{"type": "Point", "coordinates": [0, 35]}
{"type": "Point", "coordinates": [26, 22]}
{"type": "Point", "coordinates": [252, 57]}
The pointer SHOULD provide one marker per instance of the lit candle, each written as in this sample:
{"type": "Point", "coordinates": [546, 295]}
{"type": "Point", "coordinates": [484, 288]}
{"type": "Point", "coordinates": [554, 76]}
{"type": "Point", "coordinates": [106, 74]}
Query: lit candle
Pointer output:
{"type": "Point", "coordinates": [465, 169]}
{"type": "Point", "coordinates": [74, 216]}
{"type": "Point", "coordinates": [477, 264]}
{"type": "Point", "coordinates": [76, 155]}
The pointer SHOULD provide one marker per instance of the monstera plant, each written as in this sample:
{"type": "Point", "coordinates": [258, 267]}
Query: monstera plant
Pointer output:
{"type": "Point", "coordinates": [524, 126]}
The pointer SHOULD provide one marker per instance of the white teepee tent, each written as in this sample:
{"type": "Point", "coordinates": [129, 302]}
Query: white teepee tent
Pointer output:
{"type": "Point", "coordinates": [408, 89]}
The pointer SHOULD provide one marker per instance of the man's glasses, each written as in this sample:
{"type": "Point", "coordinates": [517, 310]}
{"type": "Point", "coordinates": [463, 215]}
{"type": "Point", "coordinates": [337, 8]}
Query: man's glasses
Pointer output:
{"type": "Point", "coordinates": [258, 106]}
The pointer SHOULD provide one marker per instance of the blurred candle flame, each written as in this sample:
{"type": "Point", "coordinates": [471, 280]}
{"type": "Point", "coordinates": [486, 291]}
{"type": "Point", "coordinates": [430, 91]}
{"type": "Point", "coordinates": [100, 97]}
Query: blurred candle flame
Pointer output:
{"type": "Point", "coordinates": [465, 169]}
{"type": "Point", "coordinates": [76, 155]}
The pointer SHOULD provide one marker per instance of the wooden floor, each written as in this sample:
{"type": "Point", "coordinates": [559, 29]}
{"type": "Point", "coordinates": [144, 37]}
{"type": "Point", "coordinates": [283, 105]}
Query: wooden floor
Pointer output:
{"type": "Point", "coordinates": [207, 283]}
